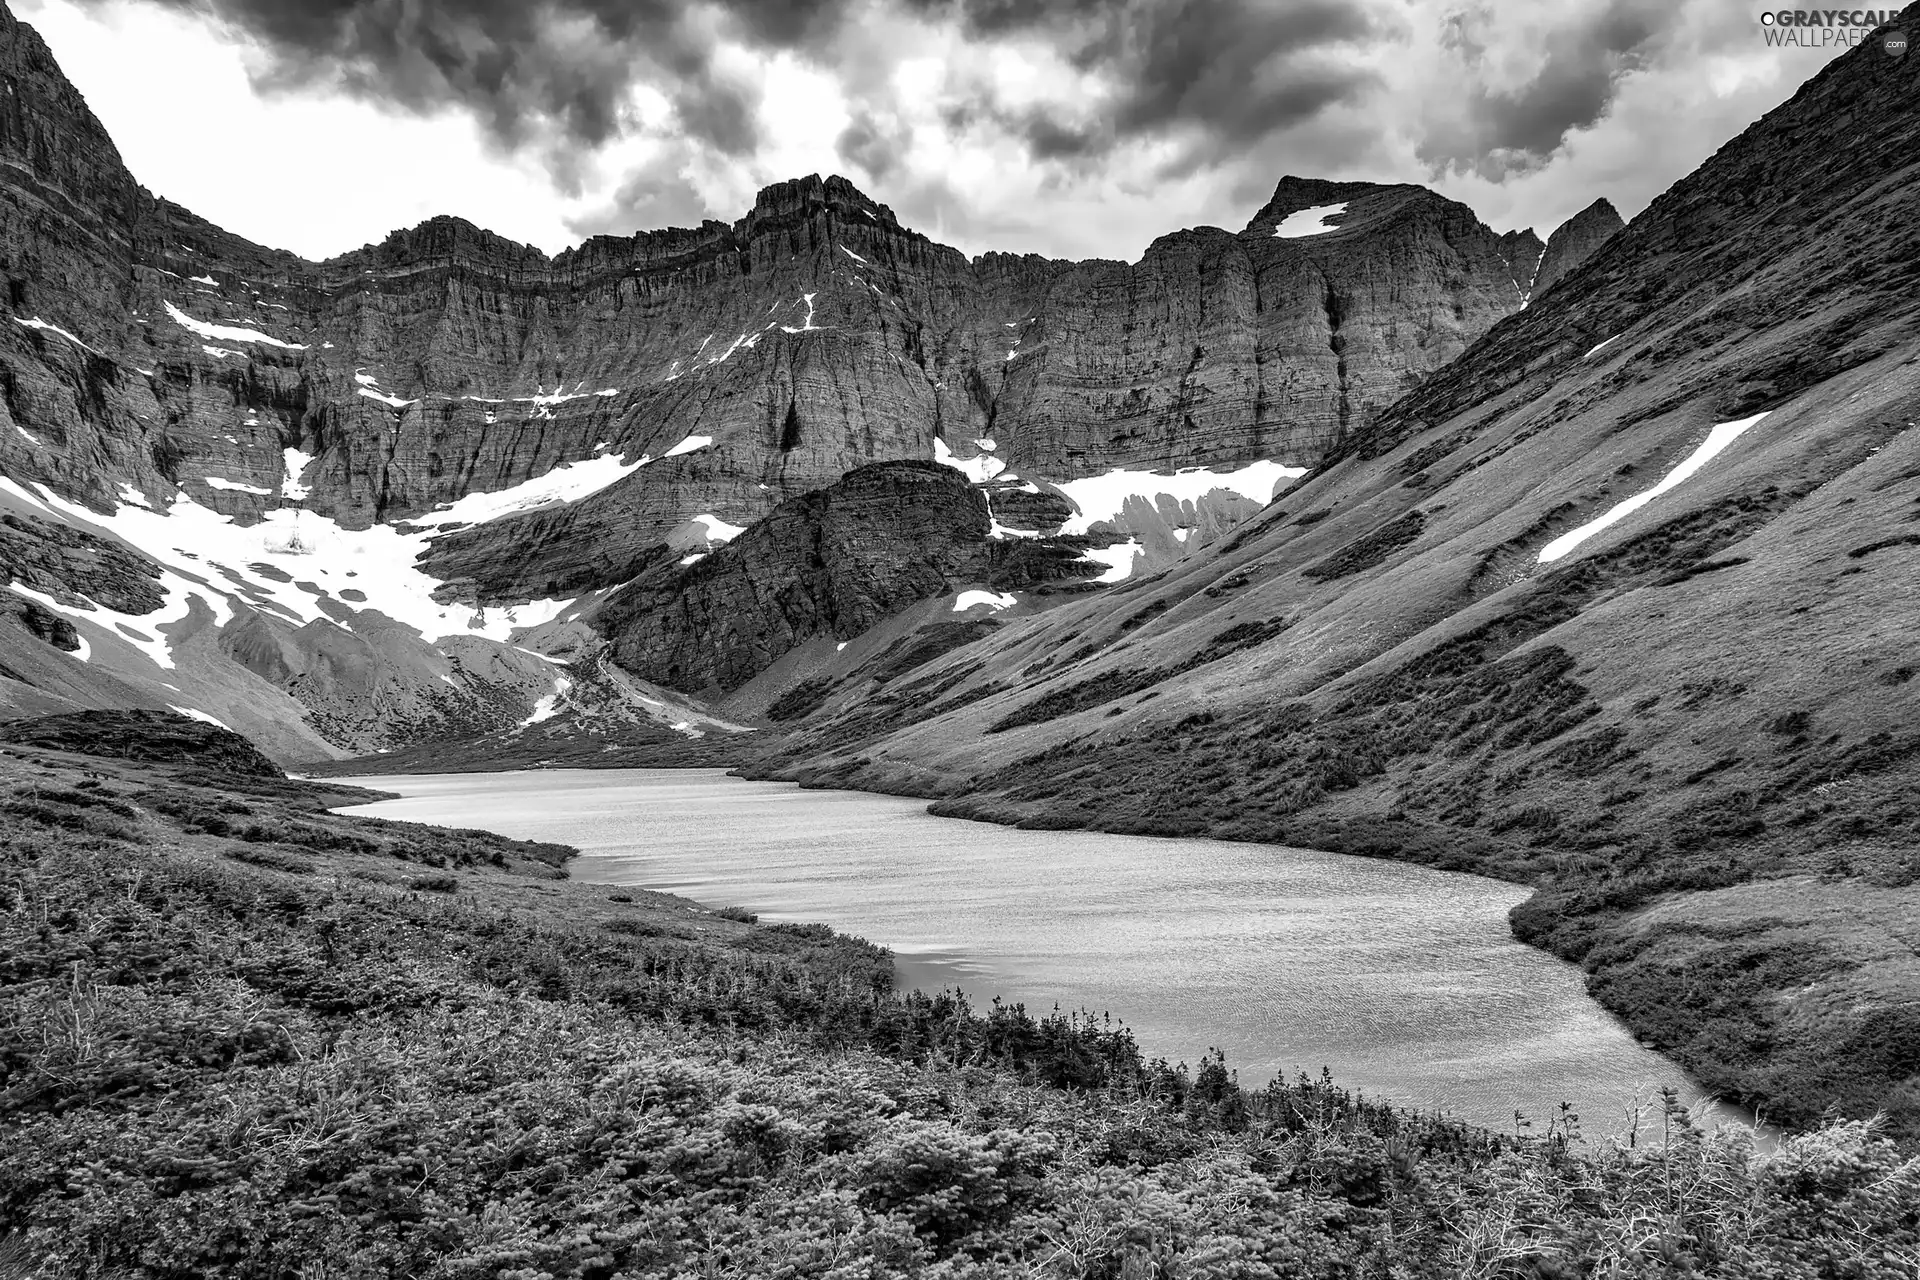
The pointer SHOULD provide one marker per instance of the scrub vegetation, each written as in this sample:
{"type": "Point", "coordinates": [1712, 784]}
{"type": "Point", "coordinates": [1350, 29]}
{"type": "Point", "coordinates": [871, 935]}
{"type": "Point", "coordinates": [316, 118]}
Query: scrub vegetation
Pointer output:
{"type": "Point", "coordinates": [242, 1035]}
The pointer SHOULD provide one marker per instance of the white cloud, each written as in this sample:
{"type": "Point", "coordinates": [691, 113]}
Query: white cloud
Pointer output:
{"type": "Point", "coordinates": [941, 126]}
{"type": "Point", "coordinates": [174, 95]}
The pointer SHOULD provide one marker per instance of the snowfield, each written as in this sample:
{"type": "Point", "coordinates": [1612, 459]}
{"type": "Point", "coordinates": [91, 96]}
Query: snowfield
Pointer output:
{"type": "Point", "coordinates": [549, 704]}
{"type": "Point", "coordinates": [568, 482]}
{"type": "Point", "coordinates": [44, 327]}
{"type": "Point", "coordinates": [1101, 498]}
{"type": "Point", "coordinates": [974, 599]}
{"type": "Point", "coordinates": [1309, 222]}
{"type": "Point", "coordinates": [719, 530]}
{"type": "Point", "coordinates": [979, 470]}
{"type": "Point", "coordinates": [213, 565]}
{"type": "Point", "coordinates": [227, 332]}
{"type": "Point", "coordinates": [1118, 559]}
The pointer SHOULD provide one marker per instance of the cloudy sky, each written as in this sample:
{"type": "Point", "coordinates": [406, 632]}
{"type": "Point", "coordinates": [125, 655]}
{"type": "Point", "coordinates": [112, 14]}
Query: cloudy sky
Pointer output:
{"type": "Point", "coordinates": [1075, 128]}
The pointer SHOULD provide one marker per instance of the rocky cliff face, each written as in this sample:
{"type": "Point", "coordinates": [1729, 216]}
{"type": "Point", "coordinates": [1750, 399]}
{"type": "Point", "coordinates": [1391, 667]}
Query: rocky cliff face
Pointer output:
{"type": "Point", "coordinates": [826, 564]}
{"type": "Point", "coordinates": [812, 336]}
{"type": "Point", "coordinates": [359, 484]}
{"type": "Point", "coordinates": [1574, 241]}
{"type": "Point", "coordinates": [1617, 604]}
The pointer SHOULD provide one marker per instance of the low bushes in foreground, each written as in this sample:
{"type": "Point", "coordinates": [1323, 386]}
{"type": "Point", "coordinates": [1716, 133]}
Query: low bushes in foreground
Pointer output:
{"type": "Point", "coordinates": [221, 1068]}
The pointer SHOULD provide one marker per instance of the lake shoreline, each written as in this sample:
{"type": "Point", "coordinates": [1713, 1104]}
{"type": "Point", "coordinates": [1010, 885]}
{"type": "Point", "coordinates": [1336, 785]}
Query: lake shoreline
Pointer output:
{"type": "Point", "coordinates": [591, 867]}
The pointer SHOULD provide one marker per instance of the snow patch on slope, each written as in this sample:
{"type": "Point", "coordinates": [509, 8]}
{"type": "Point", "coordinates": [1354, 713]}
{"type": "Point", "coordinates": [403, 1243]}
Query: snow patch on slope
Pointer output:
{"type": "Point", "coordinates": [1099, 498]}
{"type": "Point", "coordinates": [228, 332]}
{"type": "Point", "coordinates": [808, 326]}
{"type": "Point", "coordinates": [206, 557]}
{"type": "Point", "coordinates": [719, 530]}
{"type": "Point", "coordinates": [688, 446]}
{"type": "Point", "coordinates": [296, 462]}
{"type": "Point", "coordinates": [1717, 439]}
{"type": "Point", "coordinates": [549, 704]}
{"type": "Point", "coordinates": [974, 599]}
{"type": "Point", "coordinates": [392, 402]}
{"type": "Point", "coordinates": [216, 482]}
{"type": "Point", "coordinates": [44, 327]}
{"type": "Point", "coordinates": [979, 470]}
{"type": "Point", "coordinates": [1118, 559]}
{"type": "Point", "coordinates": [1309, 222]}
{"type": "Point", "coordinates": [565, 483]}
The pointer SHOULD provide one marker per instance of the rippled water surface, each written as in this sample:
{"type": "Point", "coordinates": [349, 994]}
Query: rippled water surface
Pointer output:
{"type": "Point", "coordinates": [1404, 981]}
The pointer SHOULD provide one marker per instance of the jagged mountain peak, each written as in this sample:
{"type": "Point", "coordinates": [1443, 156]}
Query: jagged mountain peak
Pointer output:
{"type": "Point", "coordinates": [443, 236]}
{"type": "Point", "coordinates": [1839, 142]}
{"type": "Point", "coordinates": [1600, 210]}
{"type": "Point", "coordinates": [805, 196]}
{"type": "Point", "coordinates": [1359, 203]}
{"type": "Point", "coordinates": [1574, 241]}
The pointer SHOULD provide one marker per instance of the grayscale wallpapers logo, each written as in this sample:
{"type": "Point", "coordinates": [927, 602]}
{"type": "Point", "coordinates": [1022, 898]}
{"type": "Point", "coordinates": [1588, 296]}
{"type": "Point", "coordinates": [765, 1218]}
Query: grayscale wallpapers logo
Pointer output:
{"type": "Point", "coordinates": [1832, 29]}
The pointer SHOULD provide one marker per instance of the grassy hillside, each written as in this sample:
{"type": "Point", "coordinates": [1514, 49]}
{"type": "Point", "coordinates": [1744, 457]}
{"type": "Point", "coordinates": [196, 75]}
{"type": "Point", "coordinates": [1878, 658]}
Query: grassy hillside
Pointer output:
{"type": "Point", "coordinates": [241, 1036]}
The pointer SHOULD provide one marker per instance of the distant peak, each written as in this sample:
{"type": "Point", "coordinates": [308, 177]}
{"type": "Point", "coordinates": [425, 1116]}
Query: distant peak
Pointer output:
{"type": "Point", "coordinates": [445, 234]}
{"type": "Point", "coordinates": [1293, 193]}
{"type": "Point", "coordinates": [1600, 213]}
{"type": "Point", "coordinates": [1369, 200]}
{"type": "Point", "coordinates": [1574, 241]}
{"type": "Point", "coordinates": [801, 196]}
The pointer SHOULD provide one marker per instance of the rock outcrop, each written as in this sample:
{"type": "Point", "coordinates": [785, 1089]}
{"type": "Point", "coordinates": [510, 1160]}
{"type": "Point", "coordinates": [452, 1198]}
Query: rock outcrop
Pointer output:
{"type": "Point", "coordinates": [155, 737]}
{"type": "Point", "coordinates": [826, 564]}
{"type": "Point", "coordinates": [1574, 241]}
{"type": "Point", "coordinates": [71, 564]}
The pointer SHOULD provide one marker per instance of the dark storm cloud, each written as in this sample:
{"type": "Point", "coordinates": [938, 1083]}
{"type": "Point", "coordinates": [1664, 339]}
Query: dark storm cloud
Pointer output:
{"type": "Point", "coordinates": [1233, 68]}
{"type": "Point", "coordinates": [1221, 73]}
{"type": "Point", "coordinates": [1580, 70]}
{"type": "Point", "coordinates": [1049, 139]}
{"type": "Point", "coordinates": [651, 198]}
{"type": "Point", "coordinates": [872, 146]}
{"type": "Point", "coordinates": [556, 73]}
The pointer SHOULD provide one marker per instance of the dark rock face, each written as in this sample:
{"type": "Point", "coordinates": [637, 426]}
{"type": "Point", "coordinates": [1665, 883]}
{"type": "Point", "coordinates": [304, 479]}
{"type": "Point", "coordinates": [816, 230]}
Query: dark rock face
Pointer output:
{"type": "Point", "coordinates": [159, 737]}
{"type": "Point", "coordinates": [69, 563]}
{"type": "Point", "coordinates": [42, 624]}
{"type": "Point", "coordinates": [1574, 241]}
{"type": "Point", "coordinates": [830, 563]}
{"type": "Point", "coordinates": [1218, 348]}
{"type": "Point", "coordinates": [1523, 250]}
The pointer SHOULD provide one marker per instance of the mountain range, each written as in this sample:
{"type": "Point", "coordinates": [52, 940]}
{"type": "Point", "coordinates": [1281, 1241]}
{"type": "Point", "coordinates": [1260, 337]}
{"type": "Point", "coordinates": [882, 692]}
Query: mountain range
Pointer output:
{"type": "Point", "coordinates": [1590, 564]}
